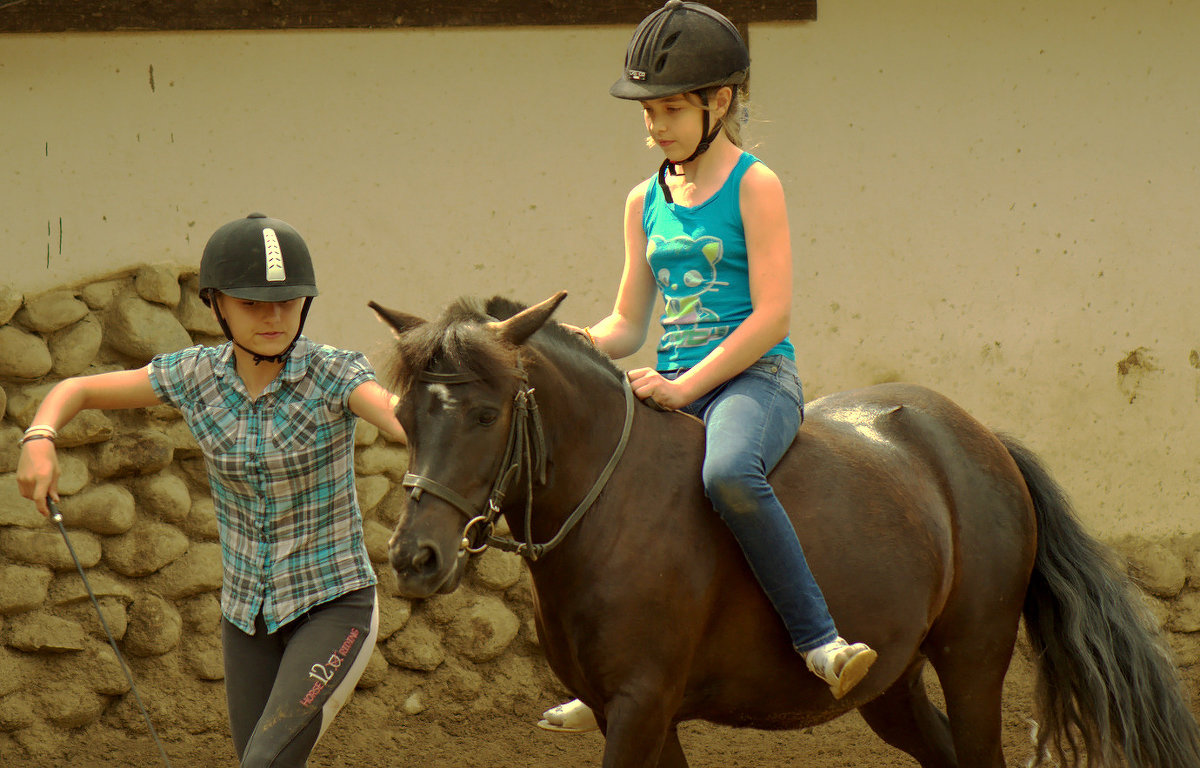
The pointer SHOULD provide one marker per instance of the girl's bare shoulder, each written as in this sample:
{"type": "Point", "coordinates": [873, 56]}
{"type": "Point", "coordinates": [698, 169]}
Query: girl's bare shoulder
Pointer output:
{"type": "Point", "coordinates": [636, 200]}
{"type": "Point", "coordinates": [760, 183]}
{"type": "Point", "coordinates": [760, 174]}
{"type": "Point", "coordinates": [638, 193]}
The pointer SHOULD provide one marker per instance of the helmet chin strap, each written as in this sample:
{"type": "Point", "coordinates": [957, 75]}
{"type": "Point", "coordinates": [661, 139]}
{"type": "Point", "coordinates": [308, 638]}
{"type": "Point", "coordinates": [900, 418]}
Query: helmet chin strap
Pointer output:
{"type": "Point", "coordinates": [282, 356]}
{"type": "Point", "coordinates": [706, 140]}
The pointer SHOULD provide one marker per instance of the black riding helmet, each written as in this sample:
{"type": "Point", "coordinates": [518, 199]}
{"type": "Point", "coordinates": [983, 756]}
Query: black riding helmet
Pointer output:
{"type": "Point", "coordinates": [680, 48]}
{"type": "Point", "coordinates": [683, 48]}
{"type": "Point", "coordinates": [259, 259]}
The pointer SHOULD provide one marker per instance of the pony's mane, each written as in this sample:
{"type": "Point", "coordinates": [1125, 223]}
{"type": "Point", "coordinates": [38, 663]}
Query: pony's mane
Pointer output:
{"type": "Point", "coordinates": [457, 340]}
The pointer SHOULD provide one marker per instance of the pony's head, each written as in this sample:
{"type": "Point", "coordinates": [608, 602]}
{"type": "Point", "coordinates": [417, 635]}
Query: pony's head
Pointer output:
{"type": "Point", "coordinates": [464, 393]}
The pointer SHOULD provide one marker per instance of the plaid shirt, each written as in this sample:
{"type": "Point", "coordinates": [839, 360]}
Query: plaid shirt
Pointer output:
{"type": "Point", "coordinates": [281, 468]}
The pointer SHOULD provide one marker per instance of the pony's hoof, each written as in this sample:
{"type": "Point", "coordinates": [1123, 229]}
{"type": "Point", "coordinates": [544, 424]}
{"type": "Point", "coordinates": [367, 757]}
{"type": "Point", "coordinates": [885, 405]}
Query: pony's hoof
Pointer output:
{"type": "Point", "coordinates": [571, 717]}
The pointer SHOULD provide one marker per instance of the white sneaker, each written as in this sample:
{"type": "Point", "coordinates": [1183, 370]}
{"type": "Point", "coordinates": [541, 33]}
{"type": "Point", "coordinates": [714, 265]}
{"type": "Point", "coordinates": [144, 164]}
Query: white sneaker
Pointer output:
{"type": "Point", "coordinates": [841, 665]}
{"type": "Point", "coordinates": [571, 717]}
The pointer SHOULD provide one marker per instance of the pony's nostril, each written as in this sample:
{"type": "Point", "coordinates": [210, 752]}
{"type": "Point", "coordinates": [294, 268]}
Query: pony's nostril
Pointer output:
{"type": "Point", "coordinates": [425, 560]}
{"type": "Point", "coordinates": [417, 558]}
{"type": "Point", "coordinates": [423, 557]}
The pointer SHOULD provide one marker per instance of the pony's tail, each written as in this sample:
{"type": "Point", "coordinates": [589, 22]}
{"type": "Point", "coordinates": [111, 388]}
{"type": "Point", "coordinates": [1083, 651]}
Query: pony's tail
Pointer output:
{"type": "Point", "coordinates": [1106, 684]}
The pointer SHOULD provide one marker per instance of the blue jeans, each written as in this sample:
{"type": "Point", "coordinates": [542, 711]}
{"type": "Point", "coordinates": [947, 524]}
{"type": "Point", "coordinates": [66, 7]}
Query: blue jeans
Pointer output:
{"type": "Point", "coordinates": [750, 421]}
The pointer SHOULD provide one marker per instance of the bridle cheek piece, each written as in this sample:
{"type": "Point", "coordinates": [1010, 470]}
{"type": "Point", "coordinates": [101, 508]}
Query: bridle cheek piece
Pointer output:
{"type": "Point", "coordinates": [526, 449]}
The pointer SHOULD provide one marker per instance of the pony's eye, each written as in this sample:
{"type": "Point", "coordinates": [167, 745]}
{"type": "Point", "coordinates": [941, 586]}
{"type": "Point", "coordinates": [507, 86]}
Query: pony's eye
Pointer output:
{"type": "Point", "coordinates": [487, 418]}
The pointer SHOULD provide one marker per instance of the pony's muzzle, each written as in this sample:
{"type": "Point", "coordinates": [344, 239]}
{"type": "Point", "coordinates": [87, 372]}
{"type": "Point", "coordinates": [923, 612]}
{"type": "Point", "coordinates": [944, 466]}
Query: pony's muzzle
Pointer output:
{"type": "Point", "coordinates": [419, 565]}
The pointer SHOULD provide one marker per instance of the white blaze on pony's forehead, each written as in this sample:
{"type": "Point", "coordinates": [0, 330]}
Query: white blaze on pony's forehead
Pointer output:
{"type": "Point", "coordinates": [274, 255]}
{"type": "Point", "coordinates": [444, 395]}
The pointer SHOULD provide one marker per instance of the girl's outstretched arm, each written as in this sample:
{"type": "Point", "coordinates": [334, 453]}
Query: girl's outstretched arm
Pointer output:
{"type": "Point", "coordinates": [37, 469]}
{"type": "Point", "coordinates": [372, 402]}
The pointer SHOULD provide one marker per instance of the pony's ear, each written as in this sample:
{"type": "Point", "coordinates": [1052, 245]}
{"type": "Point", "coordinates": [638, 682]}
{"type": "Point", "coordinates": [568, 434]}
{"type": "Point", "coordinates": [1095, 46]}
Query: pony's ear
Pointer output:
{"type": "Point", "coordinates": [399, 321]}
{"type": "Point", "coordinates": [516, 329]}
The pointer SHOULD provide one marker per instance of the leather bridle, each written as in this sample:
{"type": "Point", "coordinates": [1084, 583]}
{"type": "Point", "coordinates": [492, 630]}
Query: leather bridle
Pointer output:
{"type": "Point", "coordinates": [526, 449]}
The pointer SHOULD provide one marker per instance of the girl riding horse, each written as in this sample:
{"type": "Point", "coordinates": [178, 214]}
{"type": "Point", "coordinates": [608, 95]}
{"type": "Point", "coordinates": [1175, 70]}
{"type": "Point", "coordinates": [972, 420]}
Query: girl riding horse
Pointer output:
{"type": "Point", "coordinates": [711, 234]}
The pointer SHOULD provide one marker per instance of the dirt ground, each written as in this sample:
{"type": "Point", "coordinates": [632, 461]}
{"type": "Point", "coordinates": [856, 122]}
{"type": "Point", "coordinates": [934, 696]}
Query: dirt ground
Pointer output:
{"type": "Point", "coordinates": [372, 732]}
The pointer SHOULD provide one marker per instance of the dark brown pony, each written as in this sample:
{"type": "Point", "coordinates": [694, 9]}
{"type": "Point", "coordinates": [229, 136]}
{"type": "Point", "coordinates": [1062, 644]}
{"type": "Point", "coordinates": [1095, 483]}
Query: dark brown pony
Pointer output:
{"type": "Point", "coordinates": [930, 535]}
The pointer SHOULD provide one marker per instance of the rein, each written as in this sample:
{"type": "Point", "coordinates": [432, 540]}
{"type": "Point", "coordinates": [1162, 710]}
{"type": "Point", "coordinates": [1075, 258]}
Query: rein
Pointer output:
{"type": "Point", "coordinates": [526, 449]}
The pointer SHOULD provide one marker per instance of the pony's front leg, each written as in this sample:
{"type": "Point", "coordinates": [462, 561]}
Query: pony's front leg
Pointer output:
{"type": "Point", "coordinates": [672, 751]}
{"type": "Point", "coordinates": [641, 735]}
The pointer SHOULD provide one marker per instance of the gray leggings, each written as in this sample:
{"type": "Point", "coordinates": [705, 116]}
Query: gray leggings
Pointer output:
{"type": "Point", "coordinates": [284, 688]}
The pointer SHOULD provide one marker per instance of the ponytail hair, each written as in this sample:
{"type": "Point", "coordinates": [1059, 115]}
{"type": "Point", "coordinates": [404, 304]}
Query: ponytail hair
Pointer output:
{"type": "Point", "coordinates": [738, 113]}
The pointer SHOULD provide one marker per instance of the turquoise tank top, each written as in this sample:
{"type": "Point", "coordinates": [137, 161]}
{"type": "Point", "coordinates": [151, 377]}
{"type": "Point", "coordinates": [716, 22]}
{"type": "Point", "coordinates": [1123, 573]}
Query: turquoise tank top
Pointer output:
{"type": "Point", "coordinates": [698, 257]}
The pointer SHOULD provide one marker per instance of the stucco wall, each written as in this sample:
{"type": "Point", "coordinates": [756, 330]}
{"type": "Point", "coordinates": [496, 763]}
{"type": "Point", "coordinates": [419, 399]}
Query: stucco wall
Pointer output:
{"type": "Point", "coordinates": [992, 201]}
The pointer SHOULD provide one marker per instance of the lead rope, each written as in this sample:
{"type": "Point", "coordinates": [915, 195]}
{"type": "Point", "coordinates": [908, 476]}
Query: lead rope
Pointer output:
{"type": "Point", "coordinates": [57, 517]}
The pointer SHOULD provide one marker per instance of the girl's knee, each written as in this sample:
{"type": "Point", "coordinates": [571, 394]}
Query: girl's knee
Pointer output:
{"type": "Point", "coordinates": [731, 471]}
{"type": "Point", "coordinates": [731, 494]}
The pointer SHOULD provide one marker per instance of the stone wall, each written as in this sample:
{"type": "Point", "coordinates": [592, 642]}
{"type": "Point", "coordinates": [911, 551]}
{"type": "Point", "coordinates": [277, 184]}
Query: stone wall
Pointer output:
{"type": "Point", "coordinates": [136, 503]}
{"type": "Point", "coordinates": [1168, 572]}
{"type": "Point", "coordinates": [137, 508]}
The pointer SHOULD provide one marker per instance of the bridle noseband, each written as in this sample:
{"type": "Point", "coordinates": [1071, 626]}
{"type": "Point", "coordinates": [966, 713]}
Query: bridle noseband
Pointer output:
{"type": "Point", "coordinates": [526, 449]}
